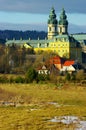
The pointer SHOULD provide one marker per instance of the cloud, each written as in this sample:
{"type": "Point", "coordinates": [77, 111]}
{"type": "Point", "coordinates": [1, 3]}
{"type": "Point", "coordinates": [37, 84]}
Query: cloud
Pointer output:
{"type": "Point", "coordinates": [35, 7]}
{"type": "Point", "coordinates": [43, 6]}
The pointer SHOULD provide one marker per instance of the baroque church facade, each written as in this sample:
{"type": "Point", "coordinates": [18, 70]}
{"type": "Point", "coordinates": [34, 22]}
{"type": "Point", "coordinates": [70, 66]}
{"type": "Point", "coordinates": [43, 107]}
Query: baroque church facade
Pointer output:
{"type": "Point", "coordinates": [58, 39]}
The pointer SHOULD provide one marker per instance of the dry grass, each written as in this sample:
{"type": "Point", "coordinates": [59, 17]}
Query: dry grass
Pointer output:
{"type": "Point", "coordinates": [71, 100]}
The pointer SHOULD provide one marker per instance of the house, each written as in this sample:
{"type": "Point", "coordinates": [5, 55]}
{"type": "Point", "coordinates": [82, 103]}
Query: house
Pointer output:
{"type": "Point", "coordinates": [52, 69]}
{"type": "Point", "coordinates": [43, 70]}
{"type": "Point", "coordinates": [57, 61]}
{"type": "Point", "coordinates": [71, 66]}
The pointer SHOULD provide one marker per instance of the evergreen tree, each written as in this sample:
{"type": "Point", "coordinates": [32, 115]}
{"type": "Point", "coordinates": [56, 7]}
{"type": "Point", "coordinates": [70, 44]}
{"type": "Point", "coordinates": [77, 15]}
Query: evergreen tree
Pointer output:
{"type": "Point", "coordinates": [31, 75]}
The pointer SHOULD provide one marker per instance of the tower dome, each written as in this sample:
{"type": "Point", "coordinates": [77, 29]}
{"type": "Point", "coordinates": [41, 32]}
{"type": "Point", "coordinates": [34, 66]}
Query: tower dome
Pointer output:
{"type": "Point", "coordinates": [52, 17]}
{"type": "Point", "coordinates": [63, 23]}
{"type": "Point", "coordinates": [63, 18]}
{"type": "Point", "coordinates": [52, 24]}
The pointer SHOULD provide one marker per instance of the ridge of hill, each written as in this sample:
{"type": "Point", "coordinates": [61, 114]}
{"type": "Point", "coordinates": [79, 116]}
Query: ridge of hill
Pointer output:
{"type": "Point", "coordinates": [10, 34]}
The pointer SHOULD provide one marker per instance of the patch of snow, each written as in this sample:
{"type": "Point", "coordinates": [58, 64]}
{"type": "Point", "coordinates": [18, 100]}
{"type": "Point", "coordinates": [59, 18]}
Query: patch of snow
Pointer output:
{"type": "Point", "coordinates": [54, 103]}
{"type": "Point", "coordinates": [80, 125]}
{"type": "Point", "coordinates": [33, 109]}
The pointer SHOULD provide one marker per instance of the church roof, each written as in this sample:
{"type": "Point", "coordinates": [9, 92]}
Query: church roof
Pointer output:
{"type": "Point", "coordinates": [63, 18]}
{"type": "Point", "coordinates": [62, 36]}
{"type": "Point", "coordinates": [42, 43]}
{"type": "Point", "coordinates": [66, 37]}
{"type": "Point", "coordinates": [79, 37]}
{"type": "Point", "coordinates": [52, 17]}
{"type": "Point", "coordinates": [32, 43]}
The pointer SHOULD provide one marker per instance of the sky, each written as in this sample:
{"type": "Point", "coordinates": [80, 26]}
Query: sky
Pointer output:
{"type": "Point", "coordinates": [33, 14]}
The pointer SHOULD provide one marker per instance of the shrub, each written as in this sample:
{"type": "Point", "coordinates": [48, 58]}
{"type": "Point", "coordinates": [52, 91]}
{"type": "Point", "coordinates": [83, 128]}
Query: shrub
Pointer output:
{"type": "Point", "coordinates": [11, 80]}
{"type": "Point", "coordinates": [73, 77]}
{"type": "Point", "coordinates": [42, 77]}
{"type": "Point", "coordinates": [67, 76]}
{"type": "Point", "coordinates": [3, 79]}
{"type": "Point", "coordinates": [31, 75]}
{"type": "Point", "coordinates": [80, 75]}
{"type": "Point", "coordinates": [19, 79]}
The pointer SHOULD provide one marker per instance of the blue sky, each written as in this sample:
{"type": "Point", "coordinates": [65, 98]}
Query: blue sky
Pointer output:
{"type": "Point", "coordinates": [33, 14]}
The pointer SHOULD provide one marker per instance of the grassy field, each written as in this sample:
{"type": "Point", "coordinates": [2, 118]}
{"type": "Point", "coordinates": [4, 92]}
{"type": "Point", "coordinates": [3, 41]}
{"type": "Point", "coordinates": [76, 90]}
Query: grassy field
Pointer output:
{"type": "Point", "coordinates": [36, 104]}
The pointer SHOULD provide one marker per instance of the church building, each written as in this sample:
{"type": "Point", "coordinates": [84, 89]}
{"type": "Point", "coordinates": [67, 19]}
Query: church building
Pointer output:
{"type": "Point", "coordinates": [58, 39]}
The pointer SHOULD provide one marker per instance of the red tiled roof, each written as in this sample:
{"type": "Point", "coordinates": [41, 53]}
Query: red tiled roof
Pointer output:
{"type": "Point", "coordinates": [56, 57]}
{"type": "Point", "coordinates": [68, 63]}
{"type": "Point", "coordinates": [55, 60]}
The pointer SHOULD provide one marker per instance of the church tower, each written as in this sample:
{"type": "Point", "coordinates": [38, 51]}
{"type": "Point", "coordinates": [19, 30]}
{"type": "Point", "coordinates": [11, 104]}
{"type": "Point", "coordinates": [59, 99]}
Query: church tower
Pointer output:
{"type": "Point", "coordinates": [52, 24]}
{"type": "Point", "coordinates": [63, 23]}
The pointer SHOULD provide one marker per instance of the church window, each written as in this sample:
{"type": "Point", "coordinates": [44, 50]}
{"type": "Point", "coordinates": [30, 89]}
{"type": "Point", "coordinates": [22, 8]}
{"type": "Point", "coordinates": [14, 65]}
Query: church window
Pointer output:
{"type": "Point", "coordinates": [64, 39]}
{"type": "Point", "coordinates": [39, 44]}
{"type": "Point", "coordinates": [56, 39]}
{"type": "Point", "coordinates": [55, 29]}
{"type": "Point", "coordinates": [49, 28]}
{"type": "Point", "coordinates": [46, 44]}
{"type": "Point", "coordinates": [60, 39]}
{"type": "Point", "coordinates": [60, 30]}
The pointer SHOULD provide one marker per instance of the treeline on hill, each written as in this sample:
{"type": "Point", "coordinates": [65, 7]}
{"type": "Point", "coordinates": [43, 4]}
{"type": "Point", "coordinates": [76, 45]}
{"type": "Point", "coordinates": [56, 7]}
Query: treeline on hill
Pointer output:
{"type": "Point", "coordinates": [10, 34]}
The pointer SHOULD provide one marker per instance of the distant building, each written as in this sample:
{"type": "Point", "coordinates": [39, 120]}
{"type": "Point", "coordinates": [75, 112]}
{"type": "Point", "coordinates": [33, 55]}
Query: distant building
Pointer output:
{"type": "Point", "coordinates": [57, 61]}
{"type": "Point", "coordinates": [58, 39]}
{"type": "Point", "coordinates": [43, 70]}
{"type": "Point", "coordinates": [71, 66]}
{"type": "Point", "coordinates": [47, 70]}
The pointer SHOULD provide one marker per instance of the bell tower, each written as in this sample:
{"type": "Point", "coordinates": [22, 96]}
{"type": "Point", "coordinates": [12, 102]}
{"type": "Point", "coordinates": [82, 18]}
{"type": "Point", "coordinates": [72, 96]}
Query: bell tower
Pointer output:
{"type": "Point", "coordinates": [63, 23]}
{"type": "Point", "coordinates": [52, 24]}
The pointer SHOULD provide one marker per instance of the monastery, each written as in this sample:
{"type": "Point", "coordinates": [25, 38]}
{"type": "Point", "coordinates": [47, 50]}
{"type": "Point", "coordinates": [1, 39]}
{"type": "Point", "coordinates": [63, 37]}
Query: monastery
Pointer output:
{"type": "Point", "coordinates": [58, 39]}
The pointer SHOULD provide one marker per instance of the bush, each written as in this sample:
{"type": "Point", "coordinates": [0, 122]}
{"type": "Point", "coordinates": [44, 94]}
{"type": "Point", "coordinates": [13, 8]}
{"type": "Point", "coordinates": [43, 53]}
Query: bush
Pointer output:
{"type": "Point", "coordinates": [42, 77]}
{"type": "Point", "coordinates": [80, 75]}
{"type": "Point", "coordinates": [3, 79]}
{"type": "Point", "coordinates": [31, 75]}
{"type": "Point", "coordinates": [19, 79]}
{"type": "Point", "coordinates": [73, 77]}
{"type": "Point", "coordinates": [67, 76]}
{"type": "Point", "coordinates": [11, 80]}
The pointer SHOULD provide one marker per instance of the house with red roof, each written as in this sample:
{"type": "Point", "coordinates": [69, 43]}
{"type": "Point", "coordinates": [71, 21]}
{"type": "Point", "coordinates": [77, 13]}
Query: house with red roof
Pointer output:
{"type": "Point", "coordinates": [68, 66]}
{"type": "Point", "coordinates": [71, 66]}
{"type": "Point", "coordinates": [57, 61]}
{"type": "Point", "coordinates": [58, 64]}
{"type": "Point", "coordinates": [68, 63]}
{"type": "Point", "coordinates": [44, 69]}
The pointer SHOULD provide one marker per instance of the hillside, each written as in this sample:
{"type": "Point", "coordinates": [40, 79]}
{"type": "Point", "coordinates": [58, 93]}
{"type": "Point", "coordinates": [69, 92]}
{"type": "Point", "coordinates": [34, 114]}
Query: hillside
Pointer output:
{"type": "Point", "coordinates": [10, 34]}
